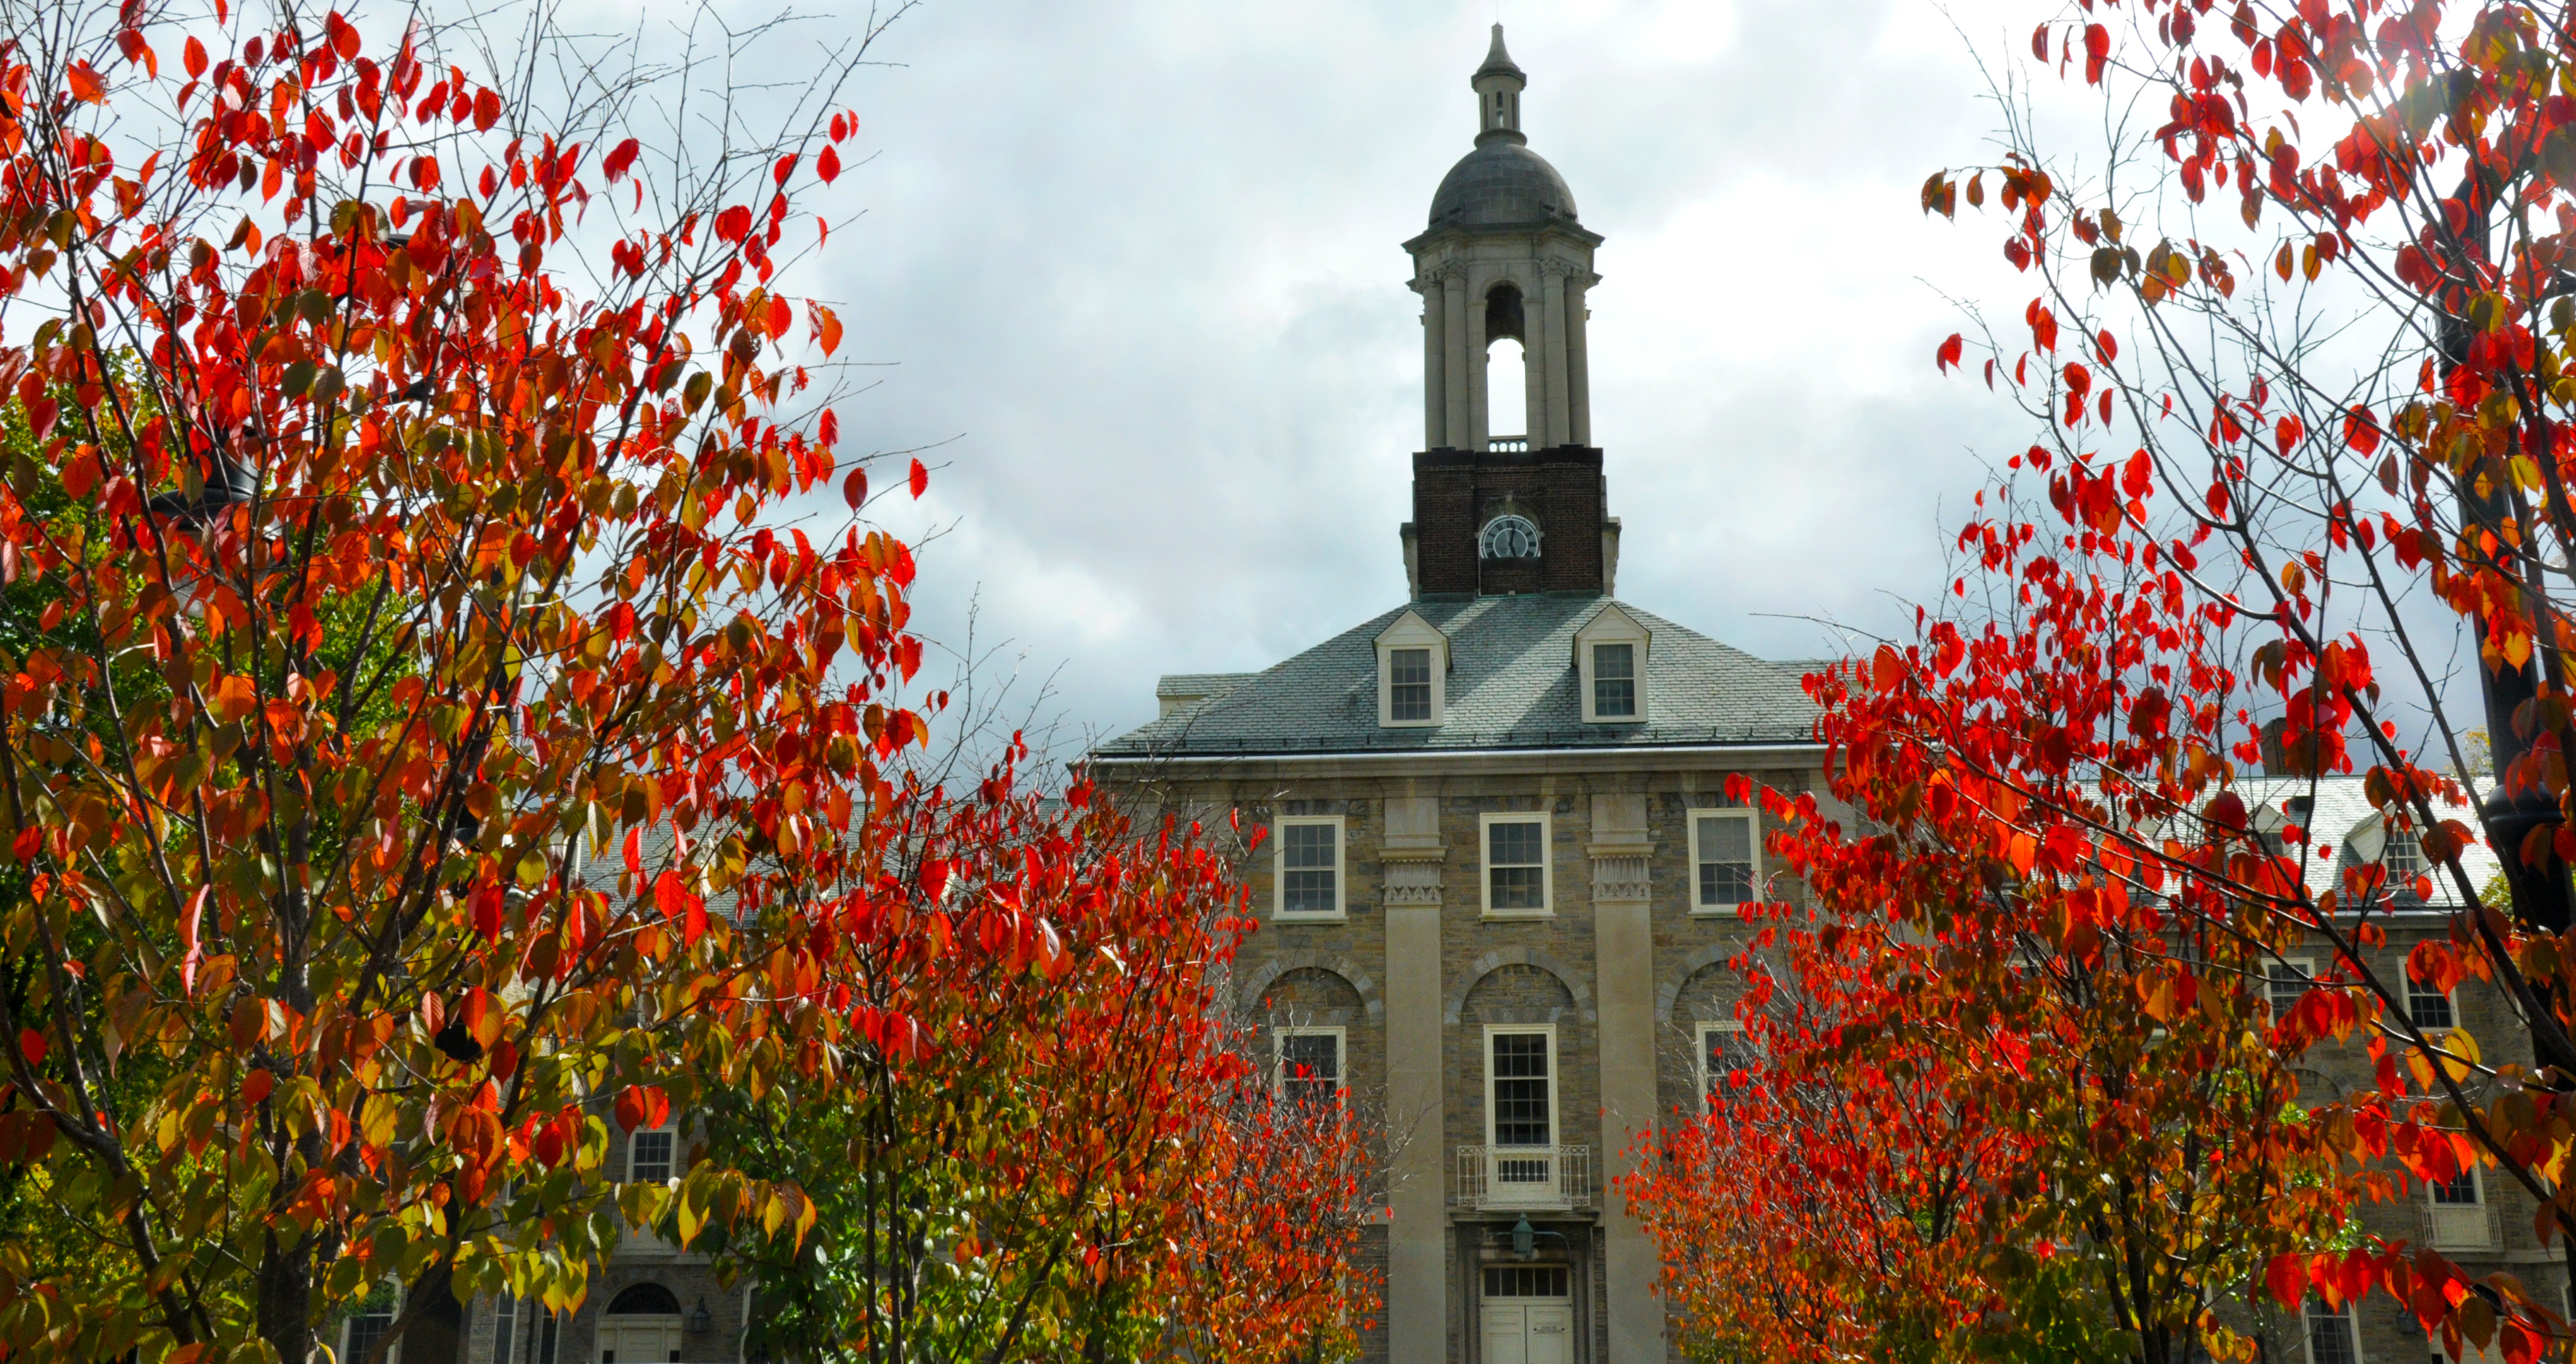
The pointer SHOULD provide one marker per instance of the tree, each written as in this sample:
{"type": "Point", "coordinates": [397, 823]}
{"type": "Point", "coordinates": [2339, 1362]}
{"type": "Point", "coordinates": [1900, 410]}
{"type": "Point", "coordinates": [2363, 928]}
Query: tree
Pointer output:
{"type": "Point", "coordinates": [407, 570]}
{"type": "Point", "coordinates": [2293, 447]}
{"type": "Point", "coordinates": [1089, 1168]}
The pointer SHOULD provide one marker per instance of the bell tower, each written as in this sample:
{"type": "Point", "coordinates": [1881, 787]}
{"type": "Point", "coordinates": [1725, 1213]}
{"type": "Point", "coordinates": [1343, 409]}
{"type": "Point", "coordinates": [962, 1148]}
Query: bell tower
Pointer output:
{"type": "Point", "coordinates": [1498, 510]}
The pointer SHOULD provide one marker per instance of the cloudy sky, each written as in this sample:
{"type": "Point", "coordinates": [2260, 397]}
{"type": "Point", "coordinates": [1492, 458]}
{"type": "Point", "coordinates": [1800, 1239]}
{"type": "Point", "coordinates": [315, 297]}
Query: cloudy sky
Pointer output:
{"type": "Point", "coordinates": [1140, 261]}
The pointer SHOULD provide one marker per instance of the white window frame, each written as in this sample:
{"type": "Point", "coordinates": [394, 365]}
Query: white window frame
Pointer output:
{"type": "Point", "coordinates": [1708, 1028]}
{"type": "Point", "coordinates": [2449, 997]}
{"type": "Point", "coordinates": [1411, 631]}
{"type": "Point", "coordinates": [1753, 842]}
{"type": "Point", "coordinates": [673, 1128]}
{"type": "Point", "coordinates": [1614, 626]}
{"type": "Point", "coordinates": [1555, 1079]}
{"type": "Point", "coordinates": [1341, 1059]}
{"type": "Point", "coordinates": [1547, 862]}
{"type": "Point", "coordinates": [2305, 966]}
{"type": "Point", "coordinates": [1341, 870]}
{"type": "Point", "coordinates": [393, 1355]}
{"type": "Point", "coordinates": [2307, 1334]}
{"type": "Point", "coordinates": [2477, 1191]}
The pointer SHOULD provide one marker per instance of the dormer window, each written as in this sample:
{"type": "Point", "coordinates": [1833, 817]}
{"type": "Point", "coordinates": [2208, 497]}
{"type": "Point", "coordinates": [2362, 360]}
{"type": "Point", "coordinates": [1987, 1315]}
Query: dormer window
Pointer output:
{"type": "Point", "coordinates": [1509, 537]}
{"type": "Point", "coordinates": [1610, 665]}
{"type": "Point", "coordinates": [1412, 673]}
{"type": "Point", "coordinates": [1614, 681]}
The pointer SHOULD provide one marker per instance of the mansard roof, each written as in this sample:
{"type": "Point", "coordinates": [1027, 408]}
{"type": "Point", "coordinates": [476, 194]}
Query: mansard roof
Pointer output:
{"type": "Point", "coordinates": [1510, 685]}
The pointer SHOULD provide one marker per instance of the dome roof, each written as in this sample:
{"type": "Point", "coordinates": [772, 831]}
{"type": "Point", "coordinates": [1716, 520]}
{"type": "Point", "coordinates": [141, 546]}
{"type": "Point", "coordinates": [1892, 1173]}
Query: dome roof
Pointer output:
{"type": "Point", "coordinates": [1502, 184]}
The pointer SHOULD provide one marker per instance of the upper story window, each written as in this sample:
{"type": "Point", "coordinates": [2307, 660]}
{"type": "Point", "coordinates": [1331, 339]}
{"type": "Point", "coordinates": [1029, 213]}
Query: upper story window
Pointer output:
{"type": "Point", "coordinates": [368, 1327]}
{"type": "Point", "coordinates": [1412, 673]}
{"type": "Point", "coordinates": [2331, 1339]}
{"type": "Point", "coordinates": [1309, 1074]}
{"type": "Point", "coordinates": [2288, 982]}
{"type": "Point", "coordinates": [1614, 681]}
{"type": "Point", "coordinates": [1516, 864]}
{"type": "Point", "coordinates": [1727, 1061]}
{"type": "Point", "coordinates": [651, 1155]}
{"type": "Point", "coordinates": [1520, 1087]}
{"type": "Point", "coordinates": [2428, 1007]}
{"type": "Point", "coordinates": [1610, 654]}
{"type": "Point", "coordinates": [1509, 536]}
{"type": "Point", "coordinates": [1310, 866]}
{"type": "Point", "coordinates": [2402, 857]}
{"type": "Point", "coordinates": [1726, 860]}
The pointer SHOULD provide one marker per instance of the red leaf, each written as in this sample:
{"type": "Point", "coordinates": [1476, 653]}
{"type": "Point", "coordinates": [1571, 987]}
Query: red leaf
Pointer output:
{"type": "Point", "coordinates": [2288, 1279]}
{"type": "Point", "coordinates": [487, 913]}
{"type": "Point", "coordinates": [487, 110]}
{"type": "Point", "coordinates": [196, 59]}
{"type": "Point", "coordinates": [620, 160]}
{"type": "Point", "coordinates": [734, 223]}
{"type": "Point", "coordinates": [1949, 353]}
{"type": "Point", "coordinates": [828, 165]}
{"type": "Point", "coordinates": [854, 489]}
{"type": "Point", "coordinates": [635, 852]}
{"type": "Point", "coordinates": [920, 480]}
{"type": "Point", "coordinates": [786, 167]}
{"type": "Point", "coordinates": [31, 1044]}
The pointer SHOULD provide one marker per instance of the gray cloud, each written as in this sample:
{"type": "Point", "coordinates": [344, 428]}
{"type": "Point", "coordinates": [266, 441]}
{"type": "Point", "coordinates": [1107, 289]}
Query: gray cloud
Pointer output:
{"type": "Point", "coordinates": [1142, 260]}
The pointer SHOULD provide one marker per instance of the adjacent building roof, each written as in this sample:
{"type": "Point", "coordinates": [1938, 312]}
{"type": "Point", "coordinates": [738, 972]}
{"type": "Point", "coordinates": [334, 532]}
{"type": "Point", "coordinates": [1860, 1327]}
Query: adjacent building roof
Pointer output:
{"type": "Point", "coordinates": [1511, 684]}
{"type": "Point", "coordinates": [2345, 831]}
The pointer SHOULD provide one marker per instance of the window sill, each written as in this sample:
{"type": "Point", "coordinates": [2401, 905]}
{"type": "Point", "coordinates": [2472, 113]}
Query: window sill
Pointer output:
{"type": "Point", "coordinates": [1432, 723]}
{"type": "Point", "coordinates": [1282, 917]}
{"type": "Point", "coordinates": [1505, 915]}
{"type": "Point", "coordinates": [1733, 911]}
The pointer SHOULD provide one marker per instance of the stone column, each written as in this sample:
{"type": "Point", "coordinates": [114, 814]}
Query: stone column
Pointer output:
{"type": "Point", "coordinates": [1417, 1318]}
{"type": "Point", "coordinates": [1435, 329]}
{"type": "Point", "coordinates": [1560, 429]}
{"type": "Point", "coordinates": [1480, 423]}
{"type": "Point", "coordinates": [1453, 354]}
{"type": "Point", "coordinates": [1578, 373]}
{"type": "Point", "coordinates": [1624, 950]}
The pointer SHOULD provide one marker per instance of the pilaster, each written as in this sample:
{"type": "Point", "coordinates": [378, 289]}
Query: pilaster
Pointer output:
{"type": "Point", "coordinates": [1416, 1289]}
{"type": "Point", "coordinates": [1453, 387]}
{"type": "Point", "coordinates": [1435, 405]}
{"type": "Point", "coordinates": [1624, 956]}
{"type": "Point", "coordinates": [1559, 424]}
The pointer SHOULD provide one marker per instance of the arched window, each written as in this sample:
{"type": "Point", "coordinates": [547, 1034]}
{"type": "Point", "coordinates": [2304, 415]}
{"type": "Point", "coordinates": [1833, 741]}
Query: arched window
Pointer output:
{"type": "Point", "coordinates": [1509, 537]}
{"type": "Point", "coordinates": [645, 1300]}
{"type": "Point", "coordinates": [1506, 364]}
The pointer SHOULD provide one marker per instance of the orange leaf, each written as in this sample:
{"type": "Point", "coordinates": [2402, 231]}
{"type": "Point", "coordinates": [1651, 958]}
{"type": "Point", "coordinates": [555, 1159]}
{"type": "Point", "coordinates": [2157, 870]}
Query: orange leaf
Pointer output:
{"type": "Point", "coordinates": [86, 86]}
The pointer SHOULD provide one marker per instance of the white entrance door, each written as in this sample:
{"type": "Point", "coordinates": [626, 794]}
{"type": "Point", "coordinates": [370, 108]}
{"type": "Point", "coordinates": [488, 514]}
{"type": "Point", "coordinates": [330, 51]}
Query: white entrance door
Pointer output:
{"type": "Point", "coordinates": [639, 1340]}
{"type": "Point", "coordinates": [1528, 1315]}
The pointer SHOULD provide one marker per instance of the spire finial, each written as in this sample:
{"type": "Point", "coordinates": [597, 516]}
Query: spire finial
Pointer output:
{"type": "Point", "coordinates": [1498, 86]}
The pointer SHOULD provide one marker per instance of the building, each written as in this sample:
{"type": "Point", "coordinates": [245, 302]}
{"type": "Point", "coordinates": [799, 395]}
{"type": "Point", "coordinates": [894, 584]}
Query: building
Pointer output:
{"type": "Point", "coordinates": [1502, 870]}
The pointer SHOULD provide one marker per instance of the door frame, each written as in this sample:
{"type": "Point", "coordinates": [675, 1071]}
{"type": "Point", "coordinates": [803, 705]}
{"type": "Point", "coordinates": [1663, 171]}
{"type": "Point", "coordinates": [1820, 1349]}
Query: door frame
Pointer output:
{"type": "Point", "coordinates": [1482, 1243]}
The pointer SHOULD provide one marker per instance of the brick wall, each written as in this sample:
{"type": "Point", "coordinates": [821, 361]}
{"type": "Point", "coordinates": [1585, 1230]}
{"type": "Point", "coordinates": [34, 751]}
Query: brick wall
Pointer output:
{"type": "Point", "coordinates": [1456, 491]}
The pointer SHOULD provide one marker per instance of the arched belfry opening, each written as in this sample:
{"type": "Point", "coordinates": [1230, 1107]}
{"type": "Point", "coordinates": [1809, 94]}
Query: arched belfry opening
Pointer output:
{"type": "Point", "coordinates": [1504, 269]}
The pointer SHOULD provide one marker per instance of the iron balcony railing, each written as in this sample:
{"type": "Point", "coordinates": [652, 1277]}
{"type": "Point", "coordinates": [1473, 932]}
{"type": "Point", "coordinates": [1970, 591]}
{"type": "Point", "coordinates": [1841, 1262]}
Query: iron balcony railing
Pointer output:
{"type": "Point", "coordinates": [1492, 1177]}
{"type": "Point", "coordinates": [2457, 1226]}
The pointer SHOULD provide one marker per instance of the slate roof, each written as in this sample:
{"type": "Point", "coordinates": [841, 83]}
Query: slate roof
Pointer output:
{"type": "Point", "coordinates": [2341, 824]}
{"type": "Point", "coordinates": [1511, 684]}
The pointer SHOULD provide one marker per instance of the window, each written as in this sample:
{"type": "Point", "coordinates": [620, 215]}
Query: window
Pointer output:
{"type": "Point", "coordinates": [650, 1156]}
{"type": "Point", "coordinates": [1412, 672]}
{"type": "Point", "coordinates": [2402, 857]}
{"type": "Point", "coordinates": [1409, 689]}
{"type": "Point", "coordinates": [2427, 1007]}
{"type": "Point", "coordinates": [2330, 1335]}
{"type": "Point", "coordinates": [1310, 866]}
{"type": "Point", "coordinates": [1726, 860]}
{"type": "Point", "coordinates": [2288, 982]}
{"type": "Point", "coordinates": [544, 1337]}
{"type": "Point", "coordinates": [1614, 681]}
{"type": "Point", "coordinates": [2461, 1192]}
{"type": "Point", "coordinates": [367, 1329]}
{"type": "Point", "coordinates": [1309, 1074]}
{"type": "Point", "coordinates": [1728, 1062]}
{"type": "Point", "coordinates": [1520, 1087]}
{"type": "Point", "coordinates": [1528, 1281]}
{"type": "Point", "coordinates": [1516, 864]}
{"type": "Point", "coordinates": [505, 1328]}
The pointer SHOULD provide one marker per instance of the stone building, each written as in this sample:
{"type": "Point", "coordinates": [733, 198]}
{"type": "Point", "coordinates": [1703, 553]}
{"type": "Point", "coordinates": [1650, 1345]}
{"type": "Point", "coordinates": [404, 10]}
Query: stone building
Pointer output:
{"type": "Point", "coordinates": [1502, 870]}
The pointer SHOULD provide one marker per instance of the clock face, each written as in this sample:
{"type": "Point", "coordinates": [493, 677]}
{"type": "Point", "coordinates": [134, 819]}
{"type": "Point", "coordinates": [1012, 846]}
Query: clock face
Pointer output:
{"type": "Point", "coordinates": [1509, 537]}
